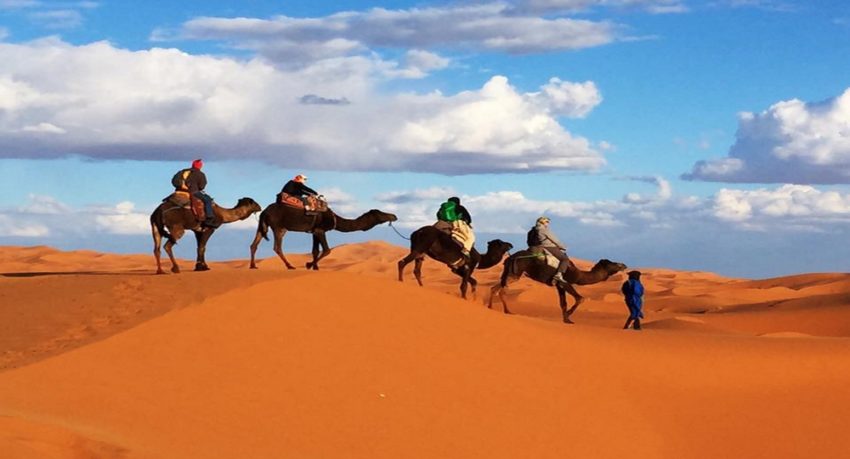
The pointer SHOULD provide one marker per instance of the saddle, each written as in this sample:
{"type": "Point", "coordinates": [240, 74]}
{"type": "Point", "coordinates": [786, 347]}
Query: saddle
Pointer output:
{"type": "Point", "coordinates": [314, 204]}
{"type": "Point", "coordinates": [547, 257]}
{"type": "Point", "coordinates": [185, 200]}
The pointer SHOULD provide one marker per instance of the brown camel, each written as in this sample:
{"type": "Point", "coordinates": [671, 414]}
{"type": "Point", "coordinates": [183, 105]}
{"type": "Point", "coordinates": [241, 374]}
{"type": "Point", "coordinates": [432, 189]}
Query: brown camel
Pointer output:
{"type": "Point", "coordinates": [439, 245]}
{"type": "Point", "coordinates": [535, 267]}
{"type": "Point", "coordinates": [170, 221]}
{"type": "Point", "coordinates": [282, 218]}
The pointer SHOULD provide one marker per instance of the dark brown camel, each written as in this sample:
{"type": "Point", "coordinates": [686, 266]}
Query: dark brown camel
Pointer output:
{"type": "Point", "coordinates": [170, 221]}
{"type": "Point", "coordinates": [282, 218]}
{"type": "Point", "coordinates": [535, 267]}
{"type": "Point", "coordinates": [439, 245]}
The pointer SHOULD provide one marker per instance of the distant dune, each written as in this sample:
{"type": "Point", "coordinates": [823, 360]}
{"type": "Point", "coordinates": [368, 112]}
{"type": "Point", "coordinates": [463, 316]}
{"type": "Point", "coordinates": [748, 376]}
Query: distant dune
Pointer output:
{"type": "Point", "coordinates": [99, 358]}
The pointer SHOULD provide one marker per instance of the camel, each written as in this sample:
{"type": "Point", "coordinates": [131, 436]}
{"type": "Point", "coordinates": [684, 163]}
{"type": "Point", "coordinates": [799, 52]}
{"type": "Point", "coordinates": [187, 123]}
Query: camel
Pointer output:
{"type": "Point", "coordinates": [282, 218]}
{"type": "Point", "coordinates": [535, 267]}
{"type": "Point", "coordinates": [439, 245]}
{"type": "Point", "coordinates": [170, 221]}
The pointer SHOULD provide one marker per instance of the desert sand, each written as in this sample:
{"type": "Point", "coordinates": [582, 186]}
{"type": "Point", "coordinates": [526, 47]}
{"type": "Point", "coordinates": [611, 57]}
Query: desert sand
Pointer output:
{"type": "Point", "coordinates": [99, 358]}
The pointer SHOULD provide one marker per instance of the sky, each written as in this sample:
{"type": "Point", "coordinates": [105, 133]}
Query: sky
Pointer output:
{"type": "Point", "coordinates": [697, 135]}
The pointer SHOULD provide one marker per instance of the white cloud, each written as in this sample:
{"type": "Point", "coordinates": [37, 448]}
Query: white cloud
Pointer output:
{"type": "Point", "coordinates": [490, 26]}
{"type": "Point", "coordinates": [575, 100]}
{"type": "Point", "coordinates": [795, 203]}
{"type": "Point", "coordinates": [164, 104]}
{"type": "Point", "coordinates": [45, 128]}
{"type": "Point", "coordinates": [791, 142]}
{"type": "Point", "coordinates": [122, 219]}
{"type": "Point", "coordinates": [788, 208]}
{"type": "Point", "coordinates": [44, 205]}
{"type": "Point", "coordinates": [10, 227]}
{"type": "Point", "coordinates": [568, 6]}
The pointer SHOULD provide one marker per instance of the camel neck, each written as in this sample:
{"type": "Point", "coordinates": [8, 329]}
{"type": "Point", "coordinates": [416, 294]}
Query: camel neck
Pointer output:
{"type": "Point", "coordinates": [361, 223]}
{"type": "Point", "coordinates": [231, 215]}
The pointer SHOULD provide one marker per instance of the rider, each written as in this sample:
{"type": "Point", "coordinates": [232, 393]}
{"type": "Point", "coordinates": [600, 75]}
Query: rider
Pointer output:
{"type": "Point", "coordinates": [454, 218]}
{"type": "Point", "coordinates": [540, 236]}
{"type": "Point", "coordinates": [298, 187]}
{"type": "Point", "coordinates": [193, 181]}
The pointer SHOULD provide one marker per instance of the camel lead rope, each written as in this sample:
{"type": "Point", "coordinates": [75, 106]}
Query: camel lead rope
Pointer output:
{"type": "Point", "coordinates": [396, 231]}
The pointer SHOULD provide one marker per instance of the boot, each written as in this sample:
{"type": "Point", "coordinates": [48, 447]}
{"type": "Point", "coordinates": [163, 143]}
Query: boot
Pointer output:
{"type": "Point", "coordinates": [637, 324]}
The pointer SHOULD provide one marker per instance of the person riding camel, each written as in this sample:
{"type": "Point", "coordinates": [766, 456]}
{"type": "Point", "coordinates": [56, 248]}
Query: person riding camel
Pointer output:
{"type": "Point", "coordinates": [193, 181]}
{"type": "Point", "coordinates": [540, 237]}
{"type": "Point", "coordinates": [298, 187]}
{"type": "Point", "coordinates": [453, 218]}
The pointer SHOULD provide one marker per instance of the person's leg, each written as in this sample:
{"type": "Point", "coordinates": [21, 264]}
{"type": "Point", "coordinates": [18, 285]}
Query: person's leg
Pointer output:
{"type": "Point", "coordinates": [628, 323]}
{"type": "Point", "coordinates": [563, 262]}
{"type": "Point", "coordinates": [209, 213]}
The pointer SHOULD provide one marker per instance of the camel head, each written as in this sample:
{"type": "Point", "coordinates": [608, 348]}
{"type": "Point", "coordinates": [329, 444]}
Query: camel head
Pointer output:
{"type": "Point", "coordinates": [499, 246]}
{"type": "Point", "coordinates": [250, 204]}
{"type": "Point", "coordinates": [381, 217]}
{"type": "Point", "coordinates": [610, 267]}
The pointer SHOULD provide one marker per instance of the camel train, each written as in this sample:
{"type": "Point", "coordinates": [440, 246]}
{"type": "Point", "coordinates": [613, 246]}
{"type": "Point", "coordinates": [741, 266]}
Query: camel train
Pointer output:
{"type": "Point", "coordinates": [176, 215]}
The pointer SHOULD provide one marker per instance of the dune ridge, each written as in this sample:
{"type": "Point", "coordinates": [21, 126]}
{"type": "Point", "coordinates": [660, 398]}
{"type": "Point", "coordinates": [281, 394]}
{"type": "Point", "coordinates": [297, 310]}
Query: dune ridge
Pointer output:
{"type": "Point", "coordinates": [348, 362]}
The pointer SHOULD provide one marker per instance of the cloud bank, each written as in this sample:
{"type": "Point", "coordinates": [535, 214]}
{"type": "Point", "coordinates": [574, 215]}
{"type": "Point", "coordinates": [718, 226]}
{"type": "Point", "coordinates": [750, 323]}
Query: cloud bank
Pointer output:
{"type": "Point", "coordinates": [791, 142]}
{"type": "Point", "coordinates": [103, 102]}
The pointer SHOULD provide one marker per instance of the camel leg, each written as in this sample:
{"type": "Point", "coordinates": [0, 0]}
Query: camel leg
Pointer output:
{"type": "Point", "coordinates": [176, 233]}
{"type": "Point", "coordinates": [157, 244]}
{"type": "Point", "coordinates": [573, 293]}
{"type": "Point", "coordinates": [417, 269]}
{"type": "Point", "coordinates": [498, 290]}
{"type": "Point", "coordinates": [174, 268]}
{"type": "Point", "coordinates": [320, 238]}
{"type": "Point", "coordinates": [257, 238]}
{"type": "Point", "coordinates": [403, 263]}
{"type": "Point", "coordinates": [504, 303]}
{"type": "Point", "coordinates": [278, 246]}
{"type": "Point", "coordinates": [465, 272]}
{"type": "Point", "coordinates": [202, 237]}
{"type": "Point", "coordinates": [562, 299]}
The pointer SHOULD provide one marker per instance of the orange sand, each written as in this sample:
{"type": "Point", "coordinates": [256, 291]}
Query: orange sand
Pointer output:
{"type": "Point", "coordinates": [101, 359]}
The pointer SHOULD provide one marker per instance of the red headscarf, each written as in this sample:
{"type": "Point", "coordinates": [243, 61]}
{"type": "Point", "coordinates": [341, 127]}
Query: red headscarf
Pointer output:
{"type": "Point", "coordinates": [197, 164]}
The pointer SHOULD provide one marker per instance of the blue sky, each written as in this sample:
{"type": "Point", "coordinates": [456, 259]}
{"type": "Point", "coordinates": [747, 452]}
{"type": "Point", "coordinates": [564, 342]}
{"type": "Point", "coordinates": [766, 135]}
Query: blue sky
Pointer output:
{"type": "Point", "coordinates": [709, 135]}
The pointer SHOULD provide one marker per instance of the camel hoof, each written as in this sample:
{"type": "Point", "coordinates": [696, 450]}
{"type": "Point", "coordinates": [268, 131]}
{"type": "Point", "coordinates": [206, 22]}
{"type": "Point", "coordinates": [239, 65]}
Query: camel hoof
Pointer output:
{"type": "Point", "coordinates": [202, 268]}
{"type": "Point", "coordinates": [175, 270]}
{"type": "Point", "coordinates": [290, 267]}
{"type": "Point", "coordinates": [159, 271]}
{"type": "Point", "coordinates": [253, 267]}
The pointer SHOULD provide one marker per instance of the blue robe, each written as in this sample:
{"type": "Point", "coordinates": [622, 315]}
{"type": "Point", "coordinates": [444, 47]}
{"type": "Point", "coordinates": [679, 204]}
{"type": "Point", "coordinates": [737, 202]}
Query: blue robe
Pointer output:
{"type": "Point", "coordinates": [633, 294]}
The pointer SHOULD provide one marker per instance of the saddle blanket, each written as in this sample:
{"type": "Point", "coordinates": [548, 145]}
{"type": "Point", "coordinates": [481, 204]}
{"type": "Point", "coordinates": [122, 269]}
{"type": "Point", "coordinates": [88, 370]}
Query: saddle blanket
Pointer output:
{"type": "Point", "coordinates": [314, 204]}
{"type": "Point", "coordinates": [185, 200]}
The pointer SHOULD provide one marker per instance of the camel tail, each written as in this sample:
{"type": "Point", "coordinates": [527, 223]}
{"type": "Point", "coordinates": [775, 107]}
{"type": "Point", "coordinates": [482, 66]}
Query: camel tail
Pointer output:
{"type": "Point", "coordinates": [156, 220]}
{"type": "Point", "coordinates": [263, 226]}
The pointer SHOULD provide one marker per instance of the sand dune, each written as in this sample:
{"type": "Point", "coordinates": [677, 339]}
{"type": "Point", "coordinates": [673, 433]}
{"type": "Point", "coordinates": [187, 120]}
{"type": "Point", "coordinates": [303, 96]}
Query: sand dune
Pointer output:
{"type": "Point", "coordinates": [102, 359]}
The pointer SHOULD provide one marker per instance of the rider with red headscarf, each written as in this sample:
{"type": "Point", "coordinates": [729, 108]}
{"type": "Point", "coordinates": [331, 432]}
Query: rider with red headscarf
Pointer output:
{"type": "Point", "coordinates": [193, 181]}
